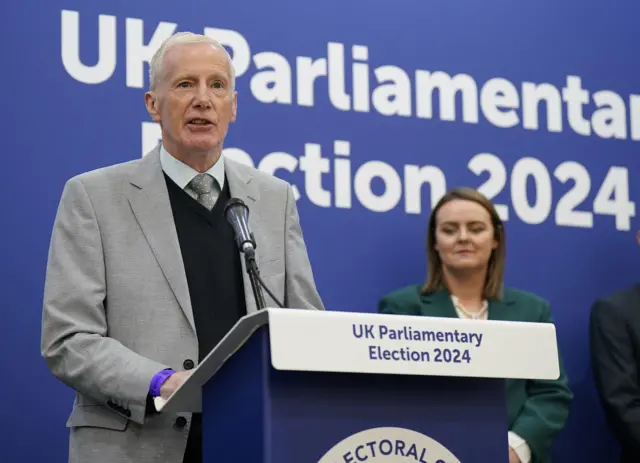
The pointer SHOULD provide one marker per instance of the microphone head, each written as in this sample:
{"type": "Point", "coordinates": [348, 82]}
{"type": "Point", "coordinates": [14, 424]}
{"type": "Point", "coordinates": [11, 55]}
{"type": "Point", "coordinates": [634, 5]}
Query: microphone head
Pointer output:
{"type": "Point", "coordinates": [236, 207]}
{"type": "Point", "coordinates": [237, 214]}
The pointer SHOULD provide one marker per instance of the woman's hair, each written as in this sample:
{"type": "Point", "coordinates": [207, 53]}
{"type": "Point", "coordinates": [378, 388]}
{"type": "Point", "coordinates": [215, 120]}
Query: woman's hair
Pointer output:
{"type": "Point", "coordinates": [435, 276]}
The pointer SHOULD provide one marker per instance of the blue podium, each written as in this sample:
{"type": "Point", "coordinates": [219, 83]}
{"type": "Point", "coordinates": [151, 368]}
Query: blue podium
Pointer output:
{"type": "Point", "coordinates": [290, 386]}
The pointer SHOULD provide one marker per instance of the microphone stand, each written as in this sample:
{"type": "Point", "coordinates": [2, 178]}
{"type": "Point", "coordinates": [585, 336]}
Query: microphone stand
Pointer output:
{"type": "Point", "coordinates": [254, 276]}
{"type": "Point", "coordinates": [247, 247]}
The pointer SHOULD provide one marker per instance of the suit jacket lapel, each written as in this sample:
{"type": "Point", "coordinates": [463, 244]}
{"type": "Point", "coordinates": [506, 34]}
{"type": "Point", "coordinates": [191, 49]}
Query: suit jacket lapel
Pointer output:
{"type": "Point", "coordinates": [242, 187]}
{"type": "Point", "coordinates": [150, 203]}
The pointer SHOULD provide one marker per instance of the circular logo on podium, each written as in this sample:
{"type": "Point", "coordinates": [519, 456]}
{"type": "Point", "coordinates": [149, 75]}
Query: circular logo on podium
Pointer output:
{"type": "Point", "coordinates": [388, 445]}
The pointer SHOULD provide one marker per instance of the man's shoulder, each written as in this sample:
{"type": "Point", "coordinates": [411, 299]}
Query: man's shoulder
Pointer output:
{"type": "Point", "coordinates": [621, 300]}
{"type": "Point", "coordinates": [107, 175]}
{"type": "Point", "coordinates": [257, 175]}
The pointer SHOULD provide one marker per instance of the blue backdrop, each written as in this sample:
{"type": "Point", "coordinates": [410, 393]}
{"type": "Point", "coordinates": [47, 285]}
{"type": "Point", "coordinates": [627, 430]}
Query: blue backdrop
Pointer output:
{"type": "Point", "coordinates": [371, 109]}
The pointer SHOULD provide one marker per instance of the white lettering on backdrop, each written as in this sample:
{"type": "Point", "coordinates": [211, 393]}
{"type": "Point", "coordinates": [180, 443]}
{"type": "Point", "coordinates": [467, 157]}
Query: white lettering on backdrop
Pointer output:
{"type": "Point", "coordinates": [397, 92]}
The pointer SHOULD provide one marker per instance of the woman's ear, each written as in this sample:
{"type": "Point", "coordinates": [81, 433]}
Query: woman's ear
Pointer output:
{"type": "Point", "coordinates": [496, 235]}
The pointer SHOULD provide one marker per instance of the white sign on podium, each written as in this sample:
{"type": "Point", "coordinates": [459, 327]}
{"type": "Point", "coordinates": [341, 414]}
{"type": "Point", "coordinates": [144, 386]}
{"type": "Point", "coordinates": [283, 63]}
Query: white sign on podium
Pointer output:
{"type": "Point", "coordinates": [348, 342]}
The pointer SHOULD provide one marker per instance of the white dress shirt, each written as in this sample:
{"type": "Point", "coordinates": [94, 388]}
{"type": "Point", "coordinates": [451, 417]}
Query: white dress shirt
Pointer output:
{"type": "Point", "coordinates": [517, 443]}
{"type": "Point", "coordinates": [182, 174]}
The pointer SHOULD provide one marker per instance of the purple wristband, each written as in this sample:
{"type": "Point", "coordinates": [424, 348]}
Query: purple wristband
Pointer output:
{"type": "Point", "coordinates": [158, 380]}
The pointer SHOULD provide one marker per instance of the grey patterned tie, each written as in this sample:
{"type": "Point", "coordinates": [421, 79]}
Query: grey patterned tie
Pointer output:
{"type": "Point", "coordinates": [206, 189]}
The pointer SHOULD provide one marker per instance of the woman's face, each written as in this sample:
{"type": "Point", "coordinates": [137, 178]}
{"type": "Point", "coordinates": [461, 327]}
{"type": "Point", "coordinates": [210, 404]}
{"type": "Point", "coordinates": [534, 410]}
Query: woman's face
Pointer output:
{"type": "Point", "coordinates": [464, 236]}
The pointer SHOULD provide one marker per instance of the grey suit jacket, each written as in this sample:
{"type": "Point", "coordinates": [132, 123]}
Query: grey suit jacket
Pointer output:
{"type": "Point", "coordinates": [116, 302]}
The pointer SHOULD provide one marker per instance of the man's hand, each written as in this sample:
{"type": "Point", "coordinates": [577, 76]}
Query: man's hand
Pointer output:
{"type": "Point", "coordinates": [173, 382]}
{"type": "Point", "coordinates": [513, 456]}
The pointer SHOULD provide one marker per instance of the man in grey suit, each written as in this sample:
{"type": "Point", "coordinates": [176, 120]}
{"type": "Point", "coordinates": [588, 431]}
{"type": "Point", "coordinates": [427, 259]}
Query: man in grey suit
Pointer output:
{"type": "Point", "coordinates": [144, 277]}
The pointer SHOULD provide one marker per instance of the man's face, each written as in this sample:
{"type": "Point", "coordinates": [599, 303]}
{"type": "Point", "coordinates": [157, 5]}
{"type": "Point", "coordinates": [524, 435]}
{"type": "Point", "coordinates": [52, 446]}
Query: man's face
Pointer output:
{"type": "Point", "coordinates": [193, 100]}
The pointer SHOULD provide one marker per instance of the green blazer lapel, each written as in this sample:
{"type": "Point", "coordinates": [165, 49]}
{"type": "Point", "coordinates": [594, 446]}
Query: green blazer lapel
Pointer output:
{"type": "Point", "coordinates": [437, 304]}
{"type": "Point", "coordinates": [501, 309]}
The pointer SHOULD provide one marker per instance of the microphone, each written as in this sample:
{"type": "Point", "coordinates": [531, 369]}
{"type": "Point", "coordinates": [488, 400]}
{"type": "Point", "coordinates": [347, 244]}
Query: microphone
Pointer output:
{"type": "Point", "coordinates": [237, 214]}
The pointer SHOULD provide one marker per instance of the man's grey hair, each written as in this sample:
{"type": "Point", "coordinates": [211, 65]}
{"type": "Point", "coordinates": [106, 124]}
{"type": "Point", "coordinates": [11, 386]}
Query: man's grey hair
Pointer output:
{"type": "Point", "coordinates": [155, 66]}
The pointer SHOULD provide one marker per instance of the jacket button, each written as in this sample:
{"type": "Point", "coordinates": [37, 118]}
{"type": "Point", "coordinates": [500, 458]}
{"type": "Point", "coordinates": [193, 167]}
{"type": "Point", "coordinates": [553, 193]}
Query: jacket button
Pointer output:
{"type": "Point", "coordinates": [188, 364]}
{"type": "Point", "coordinates": [181, 422]}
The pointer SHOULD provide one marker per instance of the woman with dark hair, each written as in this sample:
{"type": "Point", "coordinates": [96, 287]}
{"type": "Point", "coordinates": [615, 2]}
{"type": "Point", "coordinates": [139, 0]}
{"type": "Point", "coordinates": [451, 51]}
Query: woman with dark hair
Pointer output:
{"type": "Point", "coordinates": [466, 250]}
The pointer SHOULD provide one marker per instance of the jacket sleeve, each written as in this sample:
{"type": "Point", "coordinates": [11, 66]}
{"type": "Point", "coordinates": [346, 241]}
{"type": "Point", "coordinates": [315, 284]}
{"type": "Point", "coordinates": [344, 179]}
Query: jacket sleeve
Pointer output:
{"type": "Point", "coordinates": [300, 289]}
{"type": "Point", "coordinates": [75, 340]}
{"type": "Point", "coordinates": [546, 409]}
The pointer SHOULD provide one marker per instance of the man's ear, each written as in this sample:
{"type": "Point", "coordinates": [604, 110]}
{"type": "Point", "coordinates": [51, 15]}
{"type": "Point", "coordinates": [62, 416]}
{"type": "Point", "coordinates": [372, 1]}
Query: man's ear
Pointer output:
{"type": "Point", "coordinates": [234, 106]}
{"type": "Point", "coordinates": [151, 102]}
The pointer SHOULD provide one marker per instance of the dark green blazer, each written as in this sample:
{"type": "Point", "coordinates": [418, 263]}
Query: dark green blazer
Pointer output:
{"type": "Point", "coordinates": [537, 409]}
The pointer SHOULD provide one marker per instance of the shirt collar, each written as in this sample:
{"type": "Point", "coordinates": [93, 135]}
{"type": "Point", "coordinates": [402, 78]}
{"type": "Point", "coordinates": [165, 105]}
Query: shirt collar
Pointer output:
{"type": "Point", "coordinates": [182, 174]}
